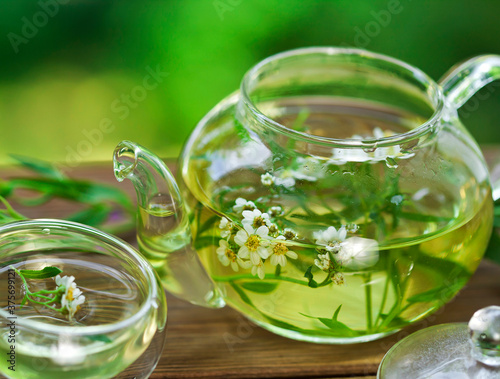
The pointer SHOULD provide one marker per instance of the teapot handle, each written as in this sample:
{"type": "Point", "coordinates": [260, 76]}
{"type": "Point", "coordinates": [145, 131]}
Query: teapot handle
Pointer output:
{"type": "Point", "coordinates": [462, 81]}
{"type": "Point", "coordinates": [163, 230]}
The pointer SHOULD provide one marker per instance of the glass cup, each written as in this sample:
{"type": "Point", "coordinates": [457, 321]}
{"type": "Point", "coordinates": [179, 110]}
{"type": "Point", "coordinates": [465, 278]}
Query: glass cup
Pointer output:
{"type": "Point", "coordinates": [118, 331]}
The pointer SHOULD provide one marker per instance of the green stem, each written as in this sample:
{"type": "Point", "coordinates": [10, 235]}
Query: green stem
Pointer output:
{"type": "Point", "coordinates": [267, 277]}
{"type": "Point", "coordinates": [384, 299]}
{"type": "Point", "coordinates": [368, 296]}
{"type": "Point", "coordinates": [38, 294]}
{"type": "Point", "coordinates": [386, 289]}
{"type": "Point", "coordinates": [11, 210]}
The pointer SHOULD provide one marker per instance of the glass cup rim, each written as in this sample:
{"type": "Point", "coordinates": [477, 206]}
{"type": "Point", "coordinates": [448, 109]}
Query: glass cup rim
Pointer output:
{"type": "Point", "coordinates": [77, 228]}
{"type": "Point", "coordinates": [396, 139]}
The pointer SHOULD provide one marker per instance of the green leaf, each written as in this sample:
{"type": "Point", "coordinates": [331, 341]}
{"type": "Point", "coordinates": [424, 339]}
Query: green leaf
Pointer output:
{"type": "Point", "coordinates": [45, 169]}
{"type": "Point", "coordinates": [242, 294]}
{"type": "Point", "coordinates": [9, 213]}
{"type": "Point", "coordinates": [241, 131]}
{"type": "Point", "coordinates": [46, 272]}
{"type": "Point", "coordinates": [308, 274]}
{"type": "Point", "coordinates": [259, 287]}
{"type": "Point", "coordinates": [76, 190]}
{"type": "Point", "coordinates": [202, 242]}
{"type": "Point", "coordinates": [208, 224]}
{"type": "Point", "coordinates": [423, 218]}
{"type": "Point", "coordinates": [338, 327]}
{"type": "Point", "coordinates": [443, 292]}
{"type": "Point", "coordinates": [93, 216]}
{"type": "Point", "coordinates": [336, 313]}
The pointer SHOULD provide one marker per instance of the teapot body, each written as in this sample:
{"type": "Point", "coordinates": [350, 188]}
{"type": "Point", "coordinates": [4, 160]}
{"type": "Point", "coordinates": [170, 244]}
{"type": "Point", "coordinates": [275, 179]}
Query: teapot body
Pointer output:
{"type": "Point", "coordinates": [336, 197]}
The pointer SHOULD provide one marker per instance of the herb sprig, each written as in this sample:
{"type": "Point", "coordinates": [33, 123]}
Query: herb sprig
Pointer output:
{"type": "Point", "coordinates": [105, 207]}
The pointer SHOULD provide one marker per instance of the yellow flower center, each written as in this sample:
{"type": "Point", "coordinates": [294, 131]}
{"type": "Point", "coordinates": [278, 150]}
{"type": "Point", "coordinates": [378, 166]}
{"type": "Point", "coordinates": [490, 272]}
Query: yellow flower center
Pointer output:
{"type": "Point", "coordinates": [253, 242]}
{"type": "Point", "coordinates": [69, 295]}
{"type": "Point", "coordinates": [280, 249]}
{"type": "Point", "coordinates": [258, 222]}
{"type": "Point", "coordinates": [273, 229]}
{"type": "Point", "coordinates": [231, 255]}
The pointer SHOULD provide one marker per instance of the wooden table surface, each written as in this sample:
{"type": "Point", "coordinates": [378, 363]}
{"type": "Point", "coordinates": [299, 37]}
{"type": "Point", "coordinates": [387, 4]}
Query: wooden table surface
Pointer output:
{"type": "Point", "coordinates": [208, 343]}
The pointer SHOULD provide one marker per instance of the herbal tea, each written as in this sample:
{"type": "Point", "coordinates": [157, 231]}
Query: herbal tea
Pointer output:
{"type": "Point", "coordinates": [334, 198]}
{"type": "Point", "coordinates": [344, 247]}
{"type": "Point", "coordinates": [109, 295]}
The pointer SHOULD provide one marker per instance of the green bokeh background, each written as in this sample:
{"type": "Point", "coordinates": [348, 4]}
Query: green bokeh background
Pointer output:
{"type": "Point", "coordinates": [71, 72]}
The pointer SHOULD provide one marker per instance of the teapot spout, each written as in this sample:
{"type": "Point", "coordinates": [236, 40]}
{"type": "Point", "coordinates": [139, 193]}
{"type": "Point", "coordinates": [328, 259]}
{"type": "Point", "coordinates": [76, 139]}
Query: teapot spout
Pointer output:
{"type": "Point", "coordinates": [163, 230]}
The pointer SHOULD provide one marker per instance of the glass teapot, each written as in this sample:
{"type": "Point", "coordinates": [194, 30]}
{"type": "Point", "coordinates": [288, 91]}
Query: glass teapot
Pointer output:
{"type": "Point", "coordinates": [335, 198]}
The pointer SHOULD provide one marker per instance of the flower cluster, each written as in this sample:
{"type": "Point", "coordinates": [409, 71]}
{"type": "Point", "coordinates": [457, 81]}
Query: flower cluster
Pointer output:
{"type": "Point", "coordinates": [66, 298]}
{"type": "Point", "coordinates": [336, 251]}
{"type": "Point", "coordinates": [260, 240]}
{"type": "Point", "coordinates": [257, 238]}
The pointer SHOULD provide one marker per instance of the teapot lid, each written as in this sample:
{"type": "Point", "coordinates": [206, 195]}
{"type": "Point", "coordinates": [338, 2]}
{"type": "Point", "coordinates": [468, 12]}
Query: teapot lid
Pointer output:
{"type": "Point", "coordinates": [454, 351]}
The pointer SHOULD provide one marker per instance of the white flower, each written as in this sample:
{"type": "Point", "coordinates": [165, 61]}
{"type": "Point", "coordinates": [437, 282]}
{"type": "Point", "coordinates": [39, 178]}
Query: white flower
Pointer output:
{"type": "Point", "coordinates": [275, 211]}
{"type": "Point", "coordinates": [273, 229]}
{"type": "Point", "coordinates": [225, 227]}
{"type": "Point", "coordinates": [323, 262]}
{"type": "Point", "coordinates": [279, 252]}
{"type": "Point", "coordinates": [243, 205]}
{"type": "Point", "coordinates": [290, 234]}
{"type": "Point", "coordinates": [358, 253]}
{"type": "Point", "coordinates": [255, 218]}
{"type": "Point", "coordinates": [228, 257]}
{"type": "Point", "coordinates": [72, 298]}
{"type": "Point", "coordinates": [254, 243]}
{"type": "Point", "coordinates": [331, 238]}
{"type": "Point", "coordinates": [267, 179]}
{"type": "Point", "coordinates": [258, 269]}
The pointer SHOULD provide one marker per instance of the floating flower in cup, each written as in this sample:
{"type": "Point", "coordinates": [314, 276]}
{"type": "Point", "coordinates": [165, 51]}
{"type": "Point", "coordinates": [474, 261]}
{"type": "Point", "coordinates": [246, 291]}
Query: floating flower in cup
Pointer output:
{"type": "Point", "coordinates": [67, 294]}
{"type": "Point", "coordinates": [72, 297]}
{"type": "Point", "coordinates": [255, 218]}
{"type": "Point", "coordinates": [331, 238]}
{"type": "Point", "coordinates": [227, 256]}
{"type": "Point", "coordinates": [279, 252]}
{"type": "Point", "coordinates": [242, 204]}
{"type": "Point", "coordinates": [253, 243]}
{"type": "Point", "coordinates": [358, 253]}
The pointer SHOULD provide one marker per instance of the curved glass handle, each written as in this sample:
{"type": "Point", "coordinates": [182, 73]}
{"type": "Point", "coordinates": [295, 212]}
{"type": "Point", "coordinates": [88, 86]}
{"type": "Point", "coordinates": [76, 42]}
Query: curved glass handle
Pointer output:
{"type": "Point", "coordinates": [462, 81]}
{"type": "Point", "coordinates": [163, 230]}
